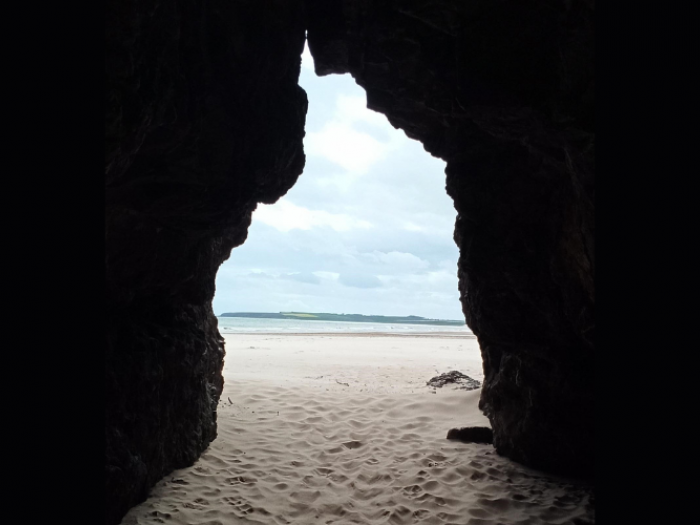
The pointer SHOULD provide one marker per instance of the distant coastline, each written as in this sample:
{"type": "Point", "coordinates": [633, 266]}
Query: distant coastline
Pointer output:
{"type": "Point", "coordinates": [348, 318]}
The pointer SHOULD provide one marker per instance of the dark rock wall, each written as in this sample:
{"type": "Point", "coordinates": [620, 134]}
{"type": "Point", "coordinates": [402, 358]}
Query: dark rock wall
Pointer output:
{"type": "Point", "coordinates": [502, 91]}
{"type": "Point", "coordinates": [205, 118]}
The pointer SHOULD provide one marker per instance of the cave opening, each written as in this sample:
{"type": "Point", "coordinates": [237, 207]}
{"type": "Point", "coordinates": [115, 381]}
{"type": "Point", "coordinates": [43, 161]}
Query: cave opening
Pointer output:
{"type": "Point", "coordinates": [367, 229]}
{"type": "Point", "coordinates": [205, 119]}
{"type": "Point", "coordinates": [361, 244]}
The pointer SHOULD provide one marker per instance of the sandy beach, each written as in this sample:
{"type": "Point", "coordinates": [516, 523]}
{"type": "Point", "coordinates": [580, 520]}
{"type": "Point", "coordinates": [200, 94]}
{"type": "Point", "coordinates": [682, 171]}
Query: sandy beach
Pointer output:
{"type": "Point", "coordinates": [342, 429]}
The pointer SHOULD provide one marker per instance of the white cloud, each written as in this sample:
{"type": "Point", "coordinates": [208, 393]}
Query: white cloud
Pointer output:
{"type": "Point", "coordinates": [343, 141]}
{"type": "Point", "coordinates": [354, 109]}
{"type": "Point", "coordinates": [285, 216]}
{"type": "Point", "coordinates": [303, 277]}
{"type": "Point", "coordinates": [412, 227]}
{"type": "Point", "coordinates": [352, 150]}
{"type": "Point", "coordinates": [360, 280]}
{"type": "Point", "coordinates": [331, 276]}
{"type": "Point", "coordinates": [440, 281]}
{"type": "Point", "coordinates": [398, 261]}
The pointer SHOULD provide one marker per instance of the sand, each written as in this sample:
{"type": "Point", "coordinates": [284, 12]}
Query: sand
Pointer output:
{"type": "Point", "coordinates": [341, 429]}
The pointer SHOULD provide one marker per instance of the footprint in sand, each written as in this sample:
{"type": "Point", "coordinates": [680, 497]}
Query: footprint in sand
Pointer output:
{"type": "Point", "coordinates": [241, 506]}
{"type": "Point", "coordinates": [240, 480]}
{"type": "Point", "coordinates": [412, 490]}
{"type": "Point", "coordinates": [179, 481]}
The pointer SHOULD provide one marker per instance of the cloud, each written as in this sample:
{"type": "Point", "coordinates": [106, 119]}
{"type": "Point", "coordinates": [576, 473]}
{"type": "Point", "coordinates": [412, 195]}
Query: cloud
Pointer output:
{"type": "Point", "coordinates": [440, 281]}
{"type": "Point", "coordinates": [304, 277]}
{"type": "Point", "coordinates": [359, 280]}
{"type": "Point", "coordinates": [398, 261]}
{"type": "Point", "coordinates": [412, 227]}
{"type": "Point", "coordinates": [353, 109]}
{"type": "Point", "coordinates": [352, 150]}
{"type": "Point", "coordinates": [285, 216]}
{"type": "Point", "coordinates": [259, 274]}
{"type": "Point", "coordinates": [331, 276]}
{"type": "Point", "coordinates": [349, 138]}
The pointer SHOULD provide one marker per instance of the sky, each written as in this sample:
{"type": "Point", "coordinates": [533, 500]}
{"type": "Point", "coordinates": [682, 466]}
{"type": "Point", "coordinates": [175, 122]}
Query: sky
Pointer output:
{"type": "Point", "coordinates": [367, 228]}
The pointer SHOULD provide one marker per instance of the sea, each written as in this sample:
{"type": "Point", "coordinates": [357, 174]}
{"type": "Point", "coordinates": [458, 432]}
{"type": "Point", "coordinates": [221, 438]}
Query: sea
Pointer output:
{"type": "Point", "coordinates": [247, 325]}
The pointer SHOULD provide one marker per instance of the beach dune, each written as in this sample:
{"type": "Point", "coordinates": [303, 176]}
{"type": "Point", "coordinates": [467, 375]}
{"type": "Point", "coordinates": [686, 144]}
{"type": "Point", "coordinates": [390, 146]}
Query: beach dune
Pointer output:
{"type": "Point", "coordinates": [342, 429]}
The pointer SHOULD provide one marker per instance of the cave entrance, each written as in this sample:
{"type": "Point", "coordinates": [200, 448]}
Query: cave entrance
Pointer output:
{"type": "Point", "coordinates": [367, 229]}
{"type": "Point", "coordinates": [364, 234]}
{"type": "Point", "coordinates": [323, 420]}
{"type": "Point", "coordinates": [317, 409]}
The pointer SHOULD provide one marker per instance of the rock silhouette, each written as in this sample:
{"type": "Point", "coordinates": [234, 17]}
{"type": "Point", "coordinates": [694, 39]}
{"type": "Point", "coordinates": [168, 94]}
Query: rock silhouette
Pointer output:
{"type": "Point", "coordinates": [471, 434]}
{"type": "Point", "coordinates": [205, 119]}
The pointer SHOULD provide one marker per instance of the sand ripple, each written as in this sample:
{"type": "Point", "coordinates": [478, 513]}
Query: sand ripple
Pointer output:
{"type": "Point", "coordinates": [397, 470]}
{"type": "Point", "coordinates": [306, 453]}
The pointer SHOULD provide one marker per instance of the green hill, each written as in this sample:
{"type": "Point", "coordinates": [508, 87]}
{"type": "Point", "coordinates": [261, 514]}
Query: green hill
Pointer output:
{"type": "Point", "coordinates": [350, 318]}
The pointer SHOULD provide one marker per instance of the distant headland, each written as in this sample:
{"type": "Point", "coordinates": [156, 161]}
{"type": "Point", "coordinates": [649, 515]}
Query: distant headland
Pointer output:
{"type": "Point", "coordinates": [349, 318]}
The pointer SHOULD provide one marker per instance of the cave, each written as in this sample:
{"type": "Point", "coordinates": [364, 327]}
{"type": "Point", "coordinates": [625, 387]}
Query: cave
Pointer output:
{"type": "Point", "coordinates": [205, 119]}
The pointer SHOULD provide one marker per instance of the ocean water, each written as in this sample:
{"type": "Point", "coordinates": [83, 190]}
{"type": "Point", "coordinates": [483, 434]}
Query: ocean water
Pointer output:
{"type": "Point", "coordinates": [237, 325]}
